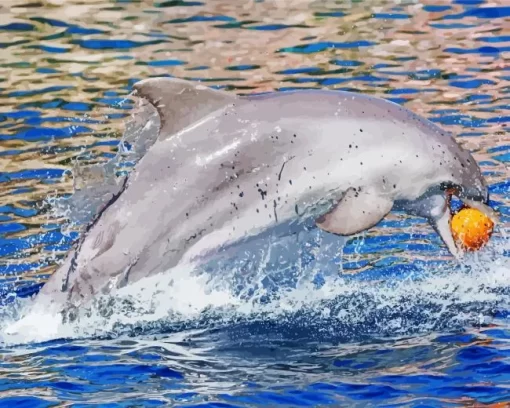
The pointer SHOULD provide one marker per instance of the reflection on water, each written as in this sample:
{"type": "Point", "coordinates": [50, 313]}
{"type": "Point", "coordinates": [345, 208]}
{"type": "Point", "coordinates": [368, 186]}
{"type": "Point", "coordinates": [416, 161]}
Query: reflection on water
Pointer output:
{"type": "Point", "coordinates": [66, 68]}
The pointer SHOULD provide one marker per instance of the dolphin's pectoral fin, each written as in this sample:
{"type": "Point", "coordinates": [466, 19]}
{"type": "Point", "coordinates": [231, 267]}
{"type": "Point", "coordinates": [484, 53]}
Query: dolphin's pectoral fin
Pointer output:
{"type": "Point", "coordinates": [357, 211]}
{"type": "Point", "coordinates": [180, 103]}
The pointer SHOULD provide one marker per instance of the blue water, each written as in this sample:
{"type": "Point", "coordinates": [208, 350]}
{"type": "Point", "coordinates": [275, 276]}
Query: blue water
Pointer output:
{"type": "Point", "coordinates": [401, 325]}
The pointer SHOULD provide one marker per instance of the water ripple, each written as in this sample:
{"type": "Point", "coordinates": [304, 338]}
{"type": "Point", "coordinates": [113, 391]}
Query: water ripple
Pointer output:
{"type": "Point", "coordinates": [401, 328]}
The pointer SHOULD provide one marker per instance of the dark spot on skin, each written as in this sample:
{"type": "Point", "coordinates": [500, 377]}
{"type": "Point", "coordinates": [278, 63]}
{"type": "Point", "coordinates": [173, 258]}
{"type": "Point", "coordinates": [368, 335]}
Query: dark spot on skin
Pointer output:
{"type": "Point", "coordinates": [257, 210]}
{"type": "Point", "coordinates": [304, 168]}
{"type": "Point", "coordinates": [361, 130]}
{"type": "Point", "coordinates": [262, 193]}
{"type": "Point", "coordinates": [417, 156]}
{"type": "Point", "coordinates": [187, 214]}
{"type": "Point", "coordinates": [194, 236]}
{"type": "Point", "coordinates": [295, 135]}
{"type": "Point", "coordinates": [283, 165]}
{"type": "Point", "coordinates": [290, 182]}
{"type": "Point", "coordinates": [296, 209]}
{"type": "Point", "coordinates": [394, 186]}
{"type": "Point", "coordinates": [274, 209]}
{"type": "Point", "coordinates": [350, 146]}
{"type": "Point", "coordinates": [361, 163]}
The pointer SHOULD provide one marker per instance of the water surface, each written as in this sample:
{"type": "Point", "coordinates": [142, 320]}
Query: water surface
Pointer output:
{"type": "Point", "coordinates": [403, 327]}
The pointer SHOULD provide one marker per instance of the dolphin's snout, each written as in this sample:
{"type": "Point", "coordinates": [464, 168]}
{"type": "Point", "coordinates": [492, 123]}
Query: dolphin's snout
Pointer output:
{"type": "Point", "coordinates": [478, 192]}
{"type": "Point", "coordinates": [477, 196]}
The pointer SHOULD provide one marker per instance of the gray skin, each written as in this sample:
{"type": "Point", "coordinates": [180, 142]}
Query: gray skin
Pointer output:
{"type": "Point", "coordinates": [226, 168]}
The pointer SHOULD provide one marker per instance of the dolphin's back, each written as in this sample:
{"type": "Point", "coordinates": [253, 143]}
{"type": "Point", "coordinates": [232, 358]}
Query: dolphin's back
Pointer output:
{"type": "Point", "coordinates": [349, 105]}
{"type": "Point", "coordinates": [181, 104]}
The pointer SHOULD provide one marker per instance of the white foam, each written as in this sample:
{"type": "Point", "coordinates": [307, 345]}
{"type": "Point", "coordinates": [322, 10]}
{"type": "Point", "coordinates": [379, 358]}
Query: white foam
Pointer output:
{"type": "Point", "coordinates": [185, 295]}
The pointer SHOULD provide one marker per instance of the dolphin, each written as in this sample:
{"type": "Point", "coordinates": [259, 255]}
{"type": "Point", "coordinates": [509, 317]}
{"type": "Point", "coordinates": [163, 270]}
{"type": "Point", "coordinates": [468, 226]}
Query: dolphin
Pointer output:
{"type": "Point", "coordinates": [226, 167]}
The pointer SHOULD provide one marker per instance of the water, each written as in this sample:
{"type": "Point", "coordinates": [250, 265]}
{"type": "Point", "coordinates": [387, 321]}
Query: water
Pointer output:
{"type": "Point", "coordinates": [401, 326]}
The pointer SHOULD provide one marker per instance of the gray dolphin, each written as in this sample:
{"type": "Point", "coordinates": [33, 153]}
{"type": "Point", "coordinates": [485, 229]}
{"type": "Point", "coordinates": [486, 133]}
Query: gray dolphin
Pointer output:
{"type": "Point", "coordinates": [225, 168]}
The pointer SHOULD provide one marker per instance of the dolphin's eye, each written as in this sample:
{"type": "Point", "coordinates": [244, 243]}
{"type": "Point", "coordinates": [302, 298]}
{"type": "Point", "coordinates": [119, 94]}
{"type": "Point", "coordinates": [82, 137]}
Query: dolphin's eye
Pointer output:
{"type": "Point", "coordinates": [450, 187]}
{"type": "Point", "coordinates": [447, 185]}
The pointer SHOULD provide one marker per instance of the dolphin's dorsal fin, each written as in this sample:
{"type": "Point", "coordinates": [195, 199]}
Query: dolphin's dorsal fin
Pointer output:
{"type": "Point", "coordinates": [180, 103]}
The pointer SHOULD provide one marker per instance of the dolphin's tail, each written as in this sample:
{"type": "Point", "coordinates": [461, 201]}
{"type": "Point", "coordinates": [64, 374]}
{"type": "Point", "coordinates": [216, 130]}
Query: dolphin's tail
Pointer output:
{"type": "Point", "coordinates": [180, 103]}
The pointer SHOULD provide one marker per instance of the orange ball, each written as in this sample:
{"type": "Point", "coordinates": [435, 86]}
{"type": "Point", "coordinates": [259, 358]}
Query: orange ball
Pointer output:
{"type": "Point", "coordinates": [471, 228]}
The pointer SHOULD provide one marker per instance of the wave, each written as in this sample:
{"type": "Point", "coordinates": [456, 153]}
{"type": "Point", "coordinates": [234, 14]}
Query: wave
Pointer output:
{"type": "Point", "coordinates": [297, 302]}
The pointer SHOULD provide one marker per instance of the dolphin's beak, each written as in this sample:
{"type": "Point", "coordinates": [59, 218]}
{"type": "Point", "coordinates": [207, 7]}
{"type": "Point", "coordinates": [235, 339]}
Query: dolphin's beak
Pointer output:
{"type": "Point", "coordinates": [441, 225]}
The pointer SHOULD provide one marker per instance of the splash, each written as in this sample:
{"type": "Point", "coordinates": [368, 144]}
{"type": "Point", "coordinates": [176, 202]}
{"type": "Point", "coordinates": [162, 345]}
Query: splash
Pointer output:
{"type": "Point", "coordinates": [289, 301]}
{"type": "Point", "coordinates": [95, 185]}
